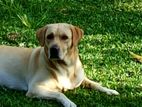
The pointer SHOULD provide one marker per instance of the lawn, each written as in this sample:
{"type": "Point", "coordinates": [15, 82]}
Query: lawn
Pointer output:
{"type": "Point", "coordinates": [112, 28]}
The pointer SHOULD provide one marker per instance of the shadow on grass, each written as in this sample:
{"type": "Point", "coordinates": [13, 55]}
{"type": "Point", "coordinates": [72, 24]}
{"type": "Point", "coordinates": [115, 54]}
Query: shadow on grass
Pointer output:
{"type": "Point", "coordinates": [14, 98]}
{"type": "Point", "coordinates": [92, 98]}
{"type": "Point", "coordinates": [82, 97]}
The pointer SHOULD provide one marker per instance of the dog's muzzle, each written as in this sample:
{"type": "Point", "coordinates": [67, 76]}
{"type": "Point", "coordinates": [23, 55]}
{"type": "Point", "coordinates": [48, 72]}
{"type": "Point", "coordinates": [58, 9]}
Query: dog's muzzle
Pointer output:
{"type": "Point", "coordinates": [54, 52]}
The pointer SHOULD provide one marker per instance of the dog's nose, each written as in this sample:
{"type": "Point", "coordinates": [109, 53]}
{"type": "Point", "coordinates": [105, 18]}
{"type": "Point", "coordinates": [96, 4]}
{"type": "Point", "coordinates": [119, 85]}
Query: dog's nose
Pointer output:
{"type": "Point", "coordinates": [54, 52]}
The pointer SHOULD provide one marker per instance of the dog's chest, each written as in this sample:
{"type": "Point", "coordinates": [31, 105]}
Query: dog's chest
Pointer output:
{"type": "Point", "coordinates": [68, 79]}
{"type": "Point", "coordinates": [65, 83]}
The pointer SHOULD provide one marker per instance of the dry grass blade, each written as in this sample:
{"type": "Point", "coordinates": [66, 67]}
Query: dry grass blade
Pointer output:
{"type": "Point", "coordinates": [137, 57]}
{"type": "Point", "coordinates": [24, 20]}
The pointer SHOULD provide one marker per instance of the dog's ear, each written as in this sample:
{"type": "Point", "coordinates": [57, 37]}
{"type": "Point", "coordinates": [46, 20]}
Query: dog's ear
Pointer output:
{"type": "Point", "coordinates": [40, 34]}
{"type": "Point", "coordinates": [77, 34]}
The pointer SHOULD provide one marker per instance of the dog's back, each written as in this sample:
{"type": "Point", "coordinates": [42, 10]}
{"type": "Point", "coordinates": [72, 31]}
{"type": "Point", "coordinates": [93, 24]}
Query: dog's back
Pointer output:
{"type": "Point", "coordinates": [10, 63]}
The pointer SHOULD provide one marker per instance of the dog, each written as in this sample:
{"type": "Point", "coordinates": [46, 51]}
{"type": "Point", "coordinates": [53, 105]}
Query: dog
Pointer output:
{"type": "Point", "coordinates": [49, 70]}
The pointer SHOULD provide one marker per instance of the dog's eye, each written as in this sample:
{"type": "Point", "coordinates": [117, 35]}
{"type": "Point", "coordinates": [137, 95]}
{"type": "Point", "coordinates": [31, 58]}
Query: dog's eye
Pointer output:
{"type": "Point", "coordinates": [50, 36]}
{"type": "Point", "coordinates": [64, 37]}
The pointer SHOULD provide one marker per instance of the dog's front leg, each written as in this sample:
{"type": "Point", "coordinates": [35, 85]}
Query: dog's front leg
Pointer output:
{"type": "Point", "coordinates": [43, 92]}
{"type": "Point", "coordinates": [93, 85]}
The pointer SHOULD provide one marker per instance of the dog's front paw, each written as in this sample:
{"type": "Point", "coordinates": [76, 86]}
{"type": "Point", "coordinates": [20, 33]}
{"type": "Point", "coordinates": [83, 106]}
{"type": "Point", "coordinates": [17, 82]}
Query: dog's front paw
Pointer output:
{"type": "Point", "coordinates": [111, 92]}
{"type": "Point", "coordinates": [68, 103]}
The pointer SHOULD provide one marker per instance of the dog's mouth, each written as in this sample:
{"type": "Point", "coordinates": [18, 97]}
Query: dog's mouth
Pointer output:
{"type": "Point", "coordinates": [54, 53]}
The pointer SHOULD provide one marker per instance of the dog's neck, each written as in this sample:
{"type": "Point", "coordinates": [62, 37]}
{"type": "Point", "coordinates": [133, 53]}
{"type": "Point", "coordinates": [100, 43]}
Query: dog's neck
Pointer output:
{"type": "Point", "coordinates": [71, 56]}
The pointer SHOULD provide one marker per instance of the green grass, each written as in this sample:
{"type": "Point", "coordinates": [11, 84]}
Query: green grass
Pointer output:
{"type": "Point", "coordinates": [112, 28]}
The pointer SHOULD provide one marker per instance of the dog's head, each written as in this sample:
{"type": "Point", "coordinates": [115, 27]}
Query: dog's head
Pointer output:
{"type": "Point", "coordinates": [59, 39]}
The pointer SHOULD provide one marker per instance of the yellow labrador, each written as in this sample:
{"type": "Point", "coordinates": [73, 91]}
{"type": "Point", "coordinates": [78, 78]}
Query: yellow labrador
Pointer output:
{"type": "Point", "coordinates": [47, 71]}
